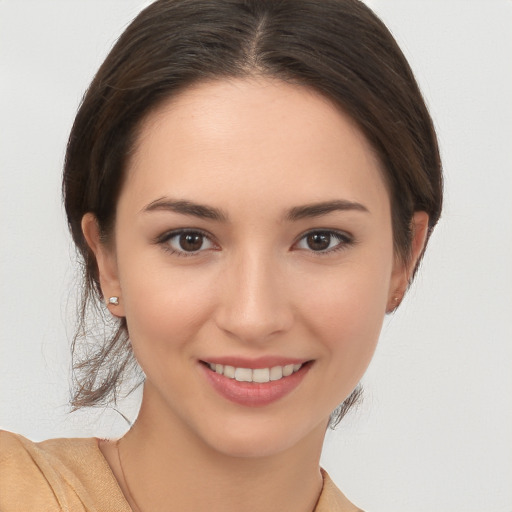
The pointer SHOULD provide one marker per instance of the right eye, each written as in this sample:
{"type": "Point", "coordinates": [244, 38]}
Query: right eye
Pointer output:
{"type": "Point", "coordinates": [186, 242]}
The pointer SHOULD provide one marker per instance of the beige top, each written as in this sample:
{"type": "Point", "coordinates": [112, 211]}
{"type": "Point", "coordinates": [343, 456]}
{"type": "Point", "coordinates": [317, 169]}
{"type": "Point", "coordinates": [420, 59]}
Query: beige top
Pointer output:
{"type": "Point", "coordinates": [72, 475]}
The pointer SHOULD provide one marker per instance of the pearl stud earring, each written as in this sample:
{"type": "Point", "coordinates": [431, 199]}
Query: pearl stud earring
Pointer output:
{"type": "Point", "coordinates": [114, 301]}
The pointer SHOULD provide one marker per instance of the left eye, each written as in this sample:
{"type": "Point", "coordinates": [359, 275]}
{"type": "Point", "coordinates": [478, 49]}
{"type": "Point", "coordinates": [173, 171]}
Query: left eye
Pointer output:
{"type": "Point", "coordinates": [323, 241]}
{"type": "Point", "coordinates": [188, 242]}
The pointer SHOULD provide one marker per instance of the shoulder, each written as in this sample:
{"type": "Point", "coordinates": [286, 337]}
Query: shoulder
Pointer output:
{"type": "Point", "coordinates": [332, 499]}
{"type": "Point", "coordinates": [57, 474]}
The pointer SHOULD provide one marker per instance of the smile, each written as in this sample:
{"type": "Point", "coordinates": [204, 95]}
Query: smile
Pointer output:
{"type": "Point", "coordinates": [255, 383]}
{"type": "Point", "coordinates": [257, 375]}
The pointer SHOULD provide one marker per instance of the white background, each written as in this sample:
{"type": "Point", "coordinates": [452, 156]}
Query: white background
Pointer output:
{"type": "Point", "coordinates": [435, 430]}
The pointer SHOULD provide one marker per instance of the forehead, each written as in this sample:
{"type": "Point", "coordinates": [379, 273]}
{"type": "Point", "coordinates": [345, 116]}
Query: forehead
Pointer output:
{"type": "Point", "coordinates": [245, 136]}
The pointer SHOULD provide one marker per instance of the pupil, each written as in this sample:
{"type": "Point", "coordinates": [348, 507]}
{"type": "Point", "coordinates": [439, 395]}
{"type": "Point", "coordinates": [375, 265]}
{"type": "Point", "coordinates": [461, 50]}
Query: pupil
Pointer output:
{"type": "Point", "coordinates": [318, 241]}
{"type": "Point", "coordinates": [191, 241]}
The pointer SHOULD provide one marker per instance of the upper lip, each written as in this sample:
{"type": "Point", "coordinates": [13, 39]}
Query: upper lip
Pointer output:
{"type": "Point", "coordinates": [255, 363]}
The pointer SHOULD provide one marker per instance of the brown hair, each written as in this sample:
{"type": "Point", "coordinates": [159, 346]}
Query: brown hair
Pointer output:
{"type": "Point", "coordinates": [339, 48]}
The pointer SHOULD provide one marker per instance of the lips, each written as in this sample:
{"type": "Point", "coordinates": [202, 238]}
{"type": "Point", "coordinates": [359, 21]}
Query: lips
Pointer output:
{"type": "Point", "coordinates": [253, 383]}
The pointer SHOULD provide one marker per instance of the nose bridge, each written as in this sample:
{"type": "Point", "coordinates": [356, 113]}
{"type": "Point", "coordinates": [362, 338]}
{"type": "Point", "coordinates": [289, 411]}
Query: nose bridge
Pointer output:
{"type": "Point", "coordinates": [254, 303]}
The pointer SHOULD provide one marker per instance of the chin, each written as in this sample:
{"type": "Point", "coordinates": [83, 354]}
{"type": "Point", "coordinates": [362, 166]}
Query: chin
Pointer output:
{"type": "Point", "coordinates": [262, 438]}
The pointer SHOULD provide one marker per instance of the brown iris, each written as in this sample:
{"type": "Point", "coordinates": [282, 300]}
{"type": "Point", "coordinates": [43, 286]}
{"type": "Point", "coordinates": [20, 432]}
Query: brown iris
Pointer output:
{"type": "Point", "coordinates": [191, 242]}
{"type": "Point", "coordinates": [318, 241]}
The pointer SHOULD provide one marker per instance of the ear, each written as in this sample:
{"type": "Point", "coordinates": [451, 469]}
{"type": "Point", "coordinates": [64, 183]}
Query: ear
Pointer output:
{"type": "Point", "coordinates": [403, 271]}
{"type": "Point", "coordinates": [107, 264]}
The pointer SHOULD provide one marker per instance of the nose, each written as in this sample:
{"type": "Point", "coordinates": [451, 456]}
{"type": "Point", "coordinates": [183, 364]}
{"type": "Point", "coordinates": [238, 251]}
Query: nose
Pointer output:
{"type": "Point", "coordinates": [254, 305]}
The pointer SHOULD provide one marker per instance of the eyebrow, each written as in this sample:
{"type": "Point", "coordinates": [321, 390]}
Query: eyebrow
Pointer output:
{"type": "Point", "coordinates": [323, 208]}
{"type": "Point", "coordinates": [211, 213]}
{"type": "Point", "coordinates": [186, 208]}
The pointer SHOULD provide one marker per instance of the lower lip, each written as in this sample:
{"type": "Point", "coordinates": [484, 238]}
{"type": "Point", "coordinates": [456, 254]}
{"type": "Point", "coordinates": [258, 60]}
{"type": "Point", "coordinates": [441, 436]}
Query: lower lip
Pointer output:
{"type": "Point", "coordinates": [252, 394]}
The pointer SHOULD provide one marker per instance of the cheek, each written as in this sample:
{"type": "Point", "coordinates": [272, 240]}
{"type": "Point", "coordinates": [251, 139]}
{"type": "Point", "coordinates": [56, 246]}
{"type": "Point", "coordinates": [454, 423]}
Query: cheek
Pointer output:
{"type": "Point", "coordinates": [345, 311]}
{"type": "Point", "coordinates": [164, 307]}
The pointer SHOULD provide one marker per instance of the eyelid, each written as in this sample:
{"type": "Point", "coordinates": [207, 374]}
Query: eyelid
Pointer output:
{"type": "Point", "coordinates": [168, 235]}
{"type": "Point", "coordinates": [345, 240]}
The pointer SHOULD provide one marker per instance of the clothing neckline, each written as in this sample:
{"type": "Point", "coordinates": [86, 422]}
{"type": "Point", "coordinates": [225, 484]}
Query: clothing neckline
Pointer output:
{"type": "Point", "coordinates": [104, 462]}
{"type": "Point", "coordinates": [121, 496]}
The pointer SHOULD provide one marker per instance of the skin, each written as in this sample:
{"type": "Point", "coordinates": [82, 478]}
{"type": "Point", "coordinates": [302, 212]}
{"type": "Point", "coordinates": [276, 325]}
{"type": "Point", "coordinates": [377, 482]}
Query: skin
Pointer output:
{"type": "Point", "coordinates": [254, 149]}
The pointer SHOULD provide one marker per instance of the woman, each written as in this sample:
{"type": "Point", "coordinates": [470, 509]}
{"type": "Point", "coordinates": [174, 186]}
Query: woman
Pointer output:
{"type": "Point", "coordinates": [251, 185]}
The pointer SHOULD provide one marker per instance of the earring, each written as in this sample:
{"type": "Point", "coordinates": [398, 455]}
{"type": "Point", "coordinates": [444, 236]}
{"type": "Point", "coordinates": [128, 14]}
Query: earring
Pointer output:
{"type": "Point", "coordinates": [114, 301]}
{"type": "Point", "coordinates": [395, 303]}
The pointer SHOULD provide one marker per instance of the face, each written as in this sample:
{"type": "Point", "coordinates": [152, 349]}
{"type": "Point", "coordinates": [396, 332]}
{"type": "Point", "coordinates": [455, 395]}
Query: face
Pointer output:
{"type": "Point", "coordinates": [253, 257]}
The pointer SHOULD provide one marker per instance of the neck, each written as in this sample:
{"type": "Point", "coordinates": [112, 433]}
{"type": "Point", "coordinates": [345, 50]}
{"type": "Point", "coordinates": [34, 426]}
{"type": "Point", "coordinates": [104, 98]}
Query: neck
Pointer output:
{"type": "Point", "coordinates": [167, 466]}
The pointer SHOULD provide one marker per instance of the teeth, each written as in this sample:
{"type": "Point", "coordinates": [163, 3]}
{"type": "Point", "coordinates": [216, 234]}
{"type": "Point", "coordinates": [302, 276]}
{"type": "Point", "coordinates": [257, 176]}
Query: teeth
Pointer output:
{"type": "Point", "coordinates": [229, 371]}
{"type": "Point", "coordinates": [243, 375]}
{"type": "Point", "coordinates": [258, 375]}
{"type": "Point", "coordinates": [261, 375]}
{"type": "Point", "coordinates": [287, 370]}
{"type": "Point", "coordinates": [276, 373]}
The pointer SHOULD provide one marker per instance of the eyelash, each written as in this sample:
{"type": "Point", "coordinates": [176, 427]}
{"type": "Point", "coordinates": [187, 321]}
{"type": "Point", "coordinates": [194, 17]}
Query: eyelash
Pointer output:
{"type": "Point", "coordinates": [344, 240]}
{"type": "Point", "coordinates": [164, 239]}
